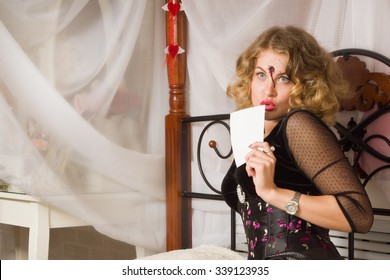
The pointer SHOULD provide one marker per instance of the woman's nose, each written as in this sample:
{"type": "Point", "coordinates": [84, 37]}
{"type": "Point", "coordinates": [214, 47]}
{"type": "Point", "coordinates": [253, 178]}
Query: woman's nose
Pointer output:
{"type": "Point", "coordinates": [270, 88]}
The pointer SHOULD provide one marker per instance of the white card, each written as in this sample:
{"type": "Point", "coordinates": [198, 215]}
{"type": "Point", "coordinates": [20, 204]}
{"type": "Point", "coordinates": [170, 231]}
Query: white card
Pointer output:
{"type": "Point", "coordinates": [246, 127]}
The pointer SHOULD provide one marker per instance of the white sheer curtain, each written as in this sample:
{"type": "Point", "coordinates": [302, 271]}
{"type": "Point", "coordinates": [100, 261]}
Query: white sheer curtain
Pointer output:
{"type": "Point", "coordinates": [83, 90]}
{"type": "Point", "coordinates": [84, 95]}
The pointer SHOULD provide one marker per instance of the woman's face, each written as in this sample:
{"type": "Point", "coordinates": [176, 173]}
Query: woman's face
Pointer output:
{"type": "Point", "coordinates": [270, 84]}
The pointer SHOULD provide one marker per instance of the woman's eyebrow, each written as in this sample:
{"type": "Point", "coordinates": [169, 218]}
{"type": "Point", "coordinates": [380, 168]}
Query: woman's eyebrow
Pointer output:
{"type": "Point", "coordinates": [260, 68]}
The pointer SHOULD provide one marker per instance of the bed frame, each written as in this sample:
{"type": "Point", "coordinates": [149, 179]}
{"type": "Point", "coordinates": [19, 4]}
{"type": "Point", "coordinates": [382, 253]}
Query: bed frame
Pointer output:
{"type": "Point", "coordinates": [370, 89]}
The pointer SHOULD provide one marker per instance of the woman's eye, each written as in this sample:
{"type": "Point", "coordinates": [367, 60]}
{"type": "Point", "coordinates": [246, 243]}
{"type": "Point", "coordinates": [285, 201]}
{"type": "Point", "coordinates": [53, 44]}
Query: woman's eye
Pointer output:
{"type": "Point", "coordinates": [284, 79]}
{"type": "Point", "coordinates": [260, 75]}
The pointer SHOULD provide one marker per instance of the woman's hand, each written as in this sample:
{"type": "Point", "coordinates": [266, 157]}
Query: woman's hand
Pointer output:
{"type": "Point", "coordinates": [260, 165]}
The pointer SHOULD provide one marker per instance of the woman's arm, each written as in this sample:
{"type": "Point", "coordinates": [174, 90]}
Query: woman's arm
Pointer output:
{"type": "Point", "coordinates": [344, 204]}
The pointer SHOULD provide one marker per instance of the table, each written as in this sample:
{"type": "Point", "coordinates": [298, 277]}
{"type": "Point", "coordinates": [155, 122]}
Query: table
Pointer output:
{"type": "Point", "coordinates": [25, 211]}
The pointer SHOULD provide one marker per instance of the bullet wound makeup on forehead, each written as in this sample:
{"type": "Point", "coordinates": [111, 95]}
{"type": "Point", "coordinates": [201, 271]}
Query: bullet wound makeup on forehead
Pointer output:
{"type": "Point", "coordinates": [271, 71]}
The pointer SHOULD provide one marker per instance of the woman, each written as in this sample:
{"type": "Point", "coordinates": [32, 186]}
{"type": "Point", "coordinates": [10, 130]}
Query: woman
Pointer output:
{"type": "Point", "coordinates": [297, 184]}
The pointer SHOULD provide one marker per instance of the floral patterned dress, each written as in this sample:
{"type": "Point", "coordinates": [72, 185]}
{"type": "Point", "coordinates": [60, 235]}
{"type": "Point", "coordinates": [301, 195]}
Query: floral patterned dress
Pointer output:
{"type": "Point", "coordinates": [272, 233]}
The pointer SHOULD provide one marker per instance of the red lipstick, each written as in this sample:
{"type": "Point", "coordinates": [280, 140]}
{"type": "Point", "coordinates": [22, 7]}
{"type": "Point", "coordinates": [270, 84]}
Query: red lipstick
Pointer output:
{"type": "Point", "coordinates": [269, 105]}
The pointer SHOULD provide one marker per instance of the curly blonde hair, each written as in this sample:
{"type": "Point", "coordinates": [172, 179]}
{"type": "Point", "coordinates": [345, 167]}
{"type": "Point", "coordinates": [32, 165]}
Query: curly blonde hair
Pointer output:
{"type": "Point", "coordinates": [318, 81]}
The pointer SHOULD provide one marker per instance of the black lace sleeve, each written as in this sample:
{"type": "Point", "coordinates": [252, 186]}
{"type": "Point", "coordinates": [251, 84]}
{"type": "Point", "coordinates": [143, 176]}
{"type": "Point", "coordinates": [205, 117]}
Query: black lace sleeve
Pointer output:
{"type": "Point", "coordinates": [317, 152]}
{"type": "Point", "coordinates": [229, 188]}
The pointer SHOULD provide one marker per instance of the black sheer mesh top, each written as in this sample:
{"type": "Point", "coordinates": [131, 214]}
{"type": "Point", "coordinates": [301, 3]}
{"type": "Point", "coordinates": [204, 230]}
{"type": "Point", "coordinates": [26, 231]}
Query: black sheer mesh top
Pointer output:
{"type": "Point", "coordinates": [309, 160]}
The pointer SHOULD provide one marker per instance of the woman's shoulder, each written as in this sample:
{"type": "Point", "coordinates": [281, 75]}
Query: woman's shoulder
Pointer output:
{"type": "Point", "coordinates": [301, 113]}
{"type": "Point", "coordinates": [304, 121]}
{"type": "Point", "coordinates": [299, 117]}
{"type": "Point", "coordinates": [299, 122]}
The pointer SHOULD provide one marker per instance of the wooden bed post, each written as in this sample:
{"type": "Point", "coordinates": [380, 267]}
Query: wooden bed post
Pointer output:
{"type": "Point", "coordinates": [176, 67]}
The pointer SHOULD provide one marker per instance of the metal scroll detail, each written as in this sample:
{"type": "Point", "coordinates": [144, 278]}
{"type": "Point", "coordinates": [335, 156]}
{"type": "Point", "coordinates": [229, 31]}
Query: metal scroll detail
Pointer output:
{"type": "Point", "coordinates": [213, 145]}
{"type": "Point", "coordinates": [212, 121]}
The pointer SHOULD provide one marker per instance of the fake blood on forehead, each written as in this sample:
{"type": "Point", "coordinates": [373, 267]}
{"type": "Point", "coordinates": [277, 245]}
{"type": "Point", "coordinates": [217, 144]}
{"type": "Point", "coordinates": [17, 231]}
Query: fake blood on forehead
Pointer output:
{"type": "Point", "coordinates": [271, 71]}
